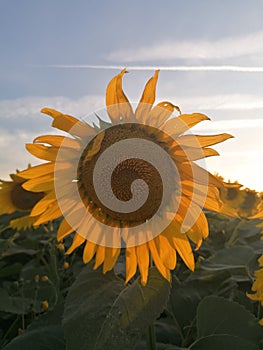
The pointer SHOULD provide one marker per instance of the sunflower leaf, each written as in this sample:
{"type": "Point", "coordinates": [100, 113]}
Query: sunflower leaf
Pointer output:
{"type": "Point", "coordinates": [44, 333]}
{"type": "Point", "coordinates": [222, 341]}
{"type": "Point", "coordinates": [240, 261]}
{"type": "Point", "coordinates": [101, 313]}
{"type": "Point", "coordinates": [216, 315]}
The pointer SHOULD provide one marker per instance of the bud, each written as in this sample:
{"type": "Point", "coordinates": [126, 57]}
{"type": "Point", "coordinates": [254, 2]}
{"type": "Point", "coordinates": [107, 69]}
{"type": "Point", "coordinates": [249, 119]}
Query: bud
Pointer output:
{"type": "Point", "coordinates": [61, 247]}
{"type": "Point", "coordinates": [44, 305]}
{"type": "Point", "coordinates": [65, 265]}
{"type": "Point", "coordinates": [44, 278]}
{"type": "Point", "coordinates": [37, 278]}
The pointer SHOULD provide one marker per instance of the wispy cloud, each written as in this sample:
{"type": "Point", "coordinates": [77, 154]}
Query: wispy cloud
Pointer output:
{"type": "Point", "coordinates": [227, 102]}
{"type": "Point", "coordinates": [28, 107]}
{"type": "Point", "coordinates": [21, 122]}
{"type": "Point", "coordinates": [229, 47]}
{"type": "Point", "coordinates": [200, 68]}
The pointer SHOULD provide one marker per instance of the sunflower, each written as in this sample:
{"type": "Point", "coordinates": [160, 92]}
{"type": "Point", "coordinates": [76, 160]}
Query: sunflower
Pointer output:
{"type": "Point", "coordinates": [132, 182]}
{"type": "Point", "coordinates": [257, 286]}
{"type": "Point", "coordinates": [14, 198]}
{"type": "Point", "coordinates": [243, 200]}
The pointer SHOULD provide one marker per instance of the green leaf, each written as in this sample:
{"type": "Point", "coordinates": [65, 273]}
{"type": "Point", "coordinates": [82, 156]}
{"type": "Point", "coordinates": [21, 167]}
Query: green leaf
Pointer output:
{"type": "Point", "coordinates": [16, 249]}
{"type": "Point", "coordinates": [223, 341]}
{"type": "Point", "coordinates": [238, 260]}
{"type": "Point", "coordinates": [10, 270]}
{"type": "Point", "coordinates": [44, 333]}
{"type": "Point", "coordinates": [217, 315]}
{"type": "Point", "coordinates": [101, 313]}
{"type": "Point", "coordinates": [44, 338]}
{"type": "Point", "coordinates": [15, 305]}
{"type": "Point", "coordinates": [185, 296]}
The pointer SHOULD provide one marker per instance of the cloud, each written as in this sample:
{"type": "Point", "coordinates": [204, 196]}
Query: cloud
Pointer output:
{"type": "Point", "coordinates": [229, 125]}
{"type": "Point", "coordinates": [28, 107]}
{"type": "Point", "coordinates": [200, 68]}
{"type": "Point", "coordinates": [15, 155]}
{"type": "Point", "coordinates": [229, 47]}
{"type": "Point", "coordinates": [21, 122]}
{"type": "Point", "coordinates": [227, 102]}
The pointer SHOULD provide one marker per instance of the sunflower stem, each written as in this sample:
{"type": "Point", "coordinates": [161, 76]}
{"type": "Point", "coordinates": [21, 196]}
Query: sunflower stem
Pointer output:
{"type": "Point", "coordinates": [151, 338]}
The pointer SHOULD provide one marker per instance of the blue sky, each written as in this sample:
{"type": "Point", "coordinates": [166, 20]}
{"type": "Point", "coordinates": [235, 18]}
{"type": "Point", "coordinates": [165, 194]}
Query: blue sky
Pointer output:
{"type": "Point", "coordinates": [45, 44]}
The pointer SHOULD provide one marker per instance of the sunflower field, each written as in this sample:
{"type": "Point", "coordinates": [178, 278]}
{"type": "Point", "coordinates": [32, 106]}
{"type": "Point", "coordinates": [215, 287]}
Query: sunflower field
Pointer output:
{"type": "Point", "coordinates": [178, 267]}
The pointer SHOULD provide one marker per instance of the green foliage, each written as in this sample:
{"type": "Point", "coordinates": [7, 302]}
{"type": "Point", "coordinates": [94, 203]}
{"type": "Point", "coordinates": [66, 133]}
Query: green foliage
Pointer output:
{"type": "Point", "coordinates": [102, 313]}
{"type": "Point", "coordinates": [205, 309]}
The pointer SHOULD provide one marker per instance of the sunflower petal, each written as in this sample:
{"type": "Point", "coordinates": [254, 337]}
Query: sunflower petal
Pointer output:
{"type": "Point", "coordinates": [202, 140]}
{"type": "Point", "coordinates": [160, 113]}
{"type": "Point", "coordinates": [131, 263]}
{"type": "Point", "coordinates": [22, 223]}
{"type": "Point", "coordinates": [43, 204]}
{"type": "Point", "coordinates": [118, 105]}
{"type": "Point", "coordinates": [40, 184]}
{"type": "Point", "coordinates": [38, 170]}
{"type": "Point", "coordinates": [100, 256]}
{"type": "Point", "coordinates": [89, 251]}
{"type": "Point", "coordinates": [167, 252]}
{"type": "Point", "coordinates": [64, 230]}
{"type": "Point", "coordinates": [43, 152]}
{"type": "Point", "coordinates": [77, 241]}
{"type": "Point", "coordinates": [111, 256]}
{"type": "Point", "coordinates": [147, 99]}
{"type": "Point", "coordinates": [179, 125]}
{"type": "Point", "coordinates": [184, 249]}
{"type": "Point", "coordinates": [142, 253]}
{"type": "Point", "coordinates": [164, 271]}
{"type": "Point", "coordinates": [57, 141]}
{"type": "Point", "coordinates": [69, 124]}
{"type": "Point", "coordinates": [53, 212]}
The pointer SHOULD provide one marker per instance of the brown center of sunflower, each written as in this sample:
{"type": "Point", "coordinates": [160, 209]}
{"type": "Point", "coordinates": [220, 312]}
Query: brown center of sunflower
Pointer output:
{"type": "Point", "coordinates": [123, 175]}
{"type": "Point", "coordinates": [23, 199]}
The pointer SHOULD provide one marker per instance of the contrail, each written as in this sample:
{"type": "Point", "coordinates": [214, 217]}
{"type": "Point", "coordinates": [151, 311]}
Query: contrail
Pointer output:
{"type": "Point", "coordinates": [224, 68]}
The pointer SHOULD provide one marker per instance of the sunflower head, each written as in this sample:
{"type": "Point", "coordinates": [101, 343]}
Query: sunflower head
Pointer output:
{"type": "Point", "coordinates": [130, 182]}
{"type": "Point", "coordinates": [14, 198]}
{"type": "Point", "coordinates": [243, 200]}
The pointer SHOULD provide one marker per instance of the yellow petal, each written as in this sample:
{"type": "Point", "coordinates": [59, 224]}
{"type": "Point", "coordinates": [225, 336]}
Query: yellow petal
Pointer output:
{"type": "Point", "coordinates": [142, 253]}
{"type": "Point", "coordinates": [191, 153]}
{"type": "Point", "coordinates": [43, 204]}
{"type": "Point", "coordinates": [69, 124]}
{"type": "Point", "coordinates": [157, 261]}
{"type": "Point", "coordinates": [40, 184]}
{"type": "Point", "coordinates": [89, 251]}
{"type": "Point", "coordinates": [160, 113]}
{"type": "Point", "coordinates": [52, 213]}
{"type": "Point", "coordinates": [100, 256]}
{"type": "Point", "coordinates": [184, 249]}
{"type": "Point", "coordinates": [167, 252]}
{"type": "Point", "coordinates": [43, 152]}
{"type": "Point", "coordinates": [178, 125]}
{"type": "Point", "coordinates": [77, 241]}
{"type": "Point", "coordinates": [111, 256]}
{"type": "Point", "coordinates": [57, 140]}
{"type": "Point", "coordinates": [147, 99]}
{"type": "Point", "coordinates": [180, 242]}
{"type": "Point", "coordinates": [131, 263]}
{"type": "Point", "coordinates": [64, 229]}
{"type": "Point", "coordinates": [202, 140]}
{"type": "Point", "coordinates": [22, 223]}
{"type": "Point", "coordinates": [38, 170]}
{"type": "Point", "coordinates": [118, 105]}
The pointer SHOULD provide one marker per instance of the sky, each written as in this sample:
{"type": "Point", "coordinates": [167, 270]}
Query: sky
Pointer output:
{"type": "Point", "coordinates": [62, 54]}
